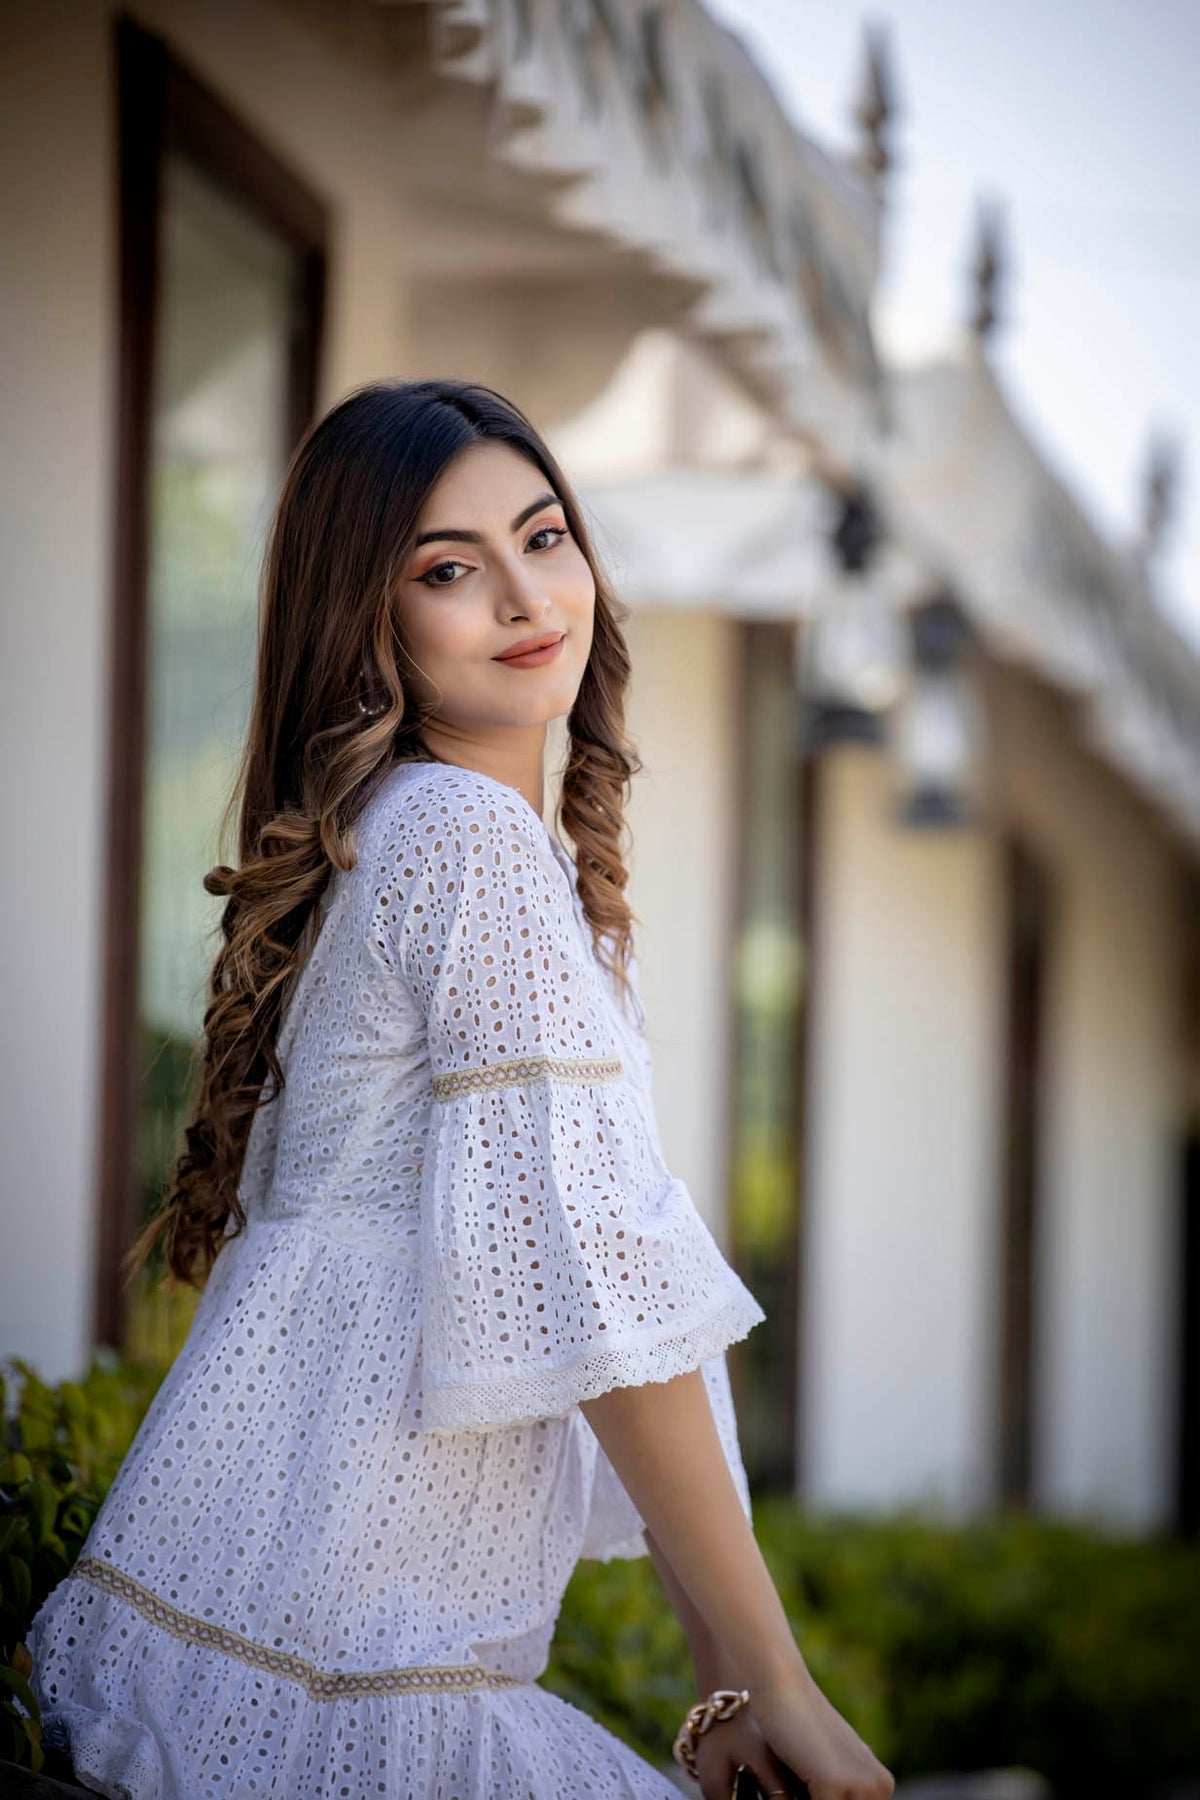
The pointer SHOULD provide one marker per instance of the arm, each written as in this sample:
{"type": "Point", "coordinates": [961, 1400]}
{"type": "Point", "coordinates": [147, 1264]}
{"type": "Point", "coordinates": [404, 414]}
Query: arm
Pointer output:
{"type": "Point", "coordinates": [662, 1441]}
{"type": "Point", "coordinates": [712, 1664]}
{"type": "Point", "coordinates": [714, 1667]}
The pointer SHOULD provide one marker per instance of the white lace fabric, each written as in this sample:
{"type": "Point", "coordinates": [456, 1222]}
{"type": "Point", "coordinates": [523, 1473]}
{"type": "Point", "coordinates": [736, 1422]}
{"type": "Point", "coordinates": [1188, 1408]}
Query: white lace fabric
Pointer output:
{"type": "Point", "coordinates": [368, 1459]}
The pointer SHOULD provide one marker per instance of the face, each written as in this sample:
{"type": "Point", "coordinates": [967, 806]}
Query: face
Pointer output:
{"type": "Point", "coordinates": [498, 565]}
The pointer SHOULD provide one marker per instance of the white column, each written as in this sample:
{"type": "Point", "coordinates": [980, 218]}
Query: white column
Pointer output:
{"type": "Point", "coordinates": [57, 356]}
{"type": "Point", "coordinates": [897, 1308]}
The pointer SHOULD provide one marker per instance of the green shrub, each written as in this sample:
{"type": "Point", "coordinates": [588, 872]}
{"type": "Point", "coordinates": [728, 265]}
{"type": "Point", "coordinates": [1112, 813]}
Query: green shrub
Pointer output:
{"type": "Point", "coordinates": [1007, 1641]}
{"type": "Point", "coordinates": [62, 1447]}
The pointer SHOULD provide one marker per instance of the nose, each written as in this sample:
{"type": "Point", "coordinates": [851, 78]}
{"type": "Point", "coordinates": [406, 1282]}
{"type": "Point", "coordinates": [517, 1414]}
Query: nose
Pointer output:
{"type": "Point", "coordinates": [522, 592]}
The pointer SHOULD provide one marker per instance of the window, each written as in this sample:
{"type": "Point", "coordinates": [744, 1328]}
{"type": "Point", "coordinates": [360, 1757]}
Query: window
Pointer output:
{"type": "Point", "coordinates": [769, 988]}
{"type": "Point", "coordinates": [222, 276]}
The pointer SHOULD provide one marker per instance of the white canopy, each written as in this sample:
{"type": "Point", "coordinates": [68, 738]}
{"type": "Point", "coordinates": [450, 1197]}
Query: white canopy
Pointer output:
{"type": "Point", "coordinates": [655, 128]}
{"type": "Point", "coordinates": [961, 479]}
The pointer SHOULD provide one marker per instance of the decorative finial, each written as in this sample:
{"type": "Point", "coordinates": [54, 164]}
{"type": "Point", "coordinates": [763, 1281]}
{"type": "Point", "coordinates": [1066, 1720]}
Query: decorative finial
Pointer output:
{"type": "Point", "coordinates": [1161, 472]}
{"type": "Point", "coordinates": [876, 106]}
{"type": "Point", "coordinates": [988, 266]}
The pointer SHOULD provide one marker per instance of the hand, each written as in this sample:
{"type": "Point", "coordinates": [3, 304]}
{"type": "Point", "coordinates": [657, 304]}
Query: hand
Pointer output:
{"type": "Point", "coordinates": [730, 1742]}
{"type": "Point", "coordinates": [810, 1737]}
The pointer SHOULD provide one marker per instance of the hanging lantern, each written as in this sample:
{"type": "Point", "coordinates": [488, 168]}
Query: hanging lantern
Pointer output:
{"type": "Point", "coordinates": [852, 652]}
{"type": "Point", "coordinates": [939, 727]}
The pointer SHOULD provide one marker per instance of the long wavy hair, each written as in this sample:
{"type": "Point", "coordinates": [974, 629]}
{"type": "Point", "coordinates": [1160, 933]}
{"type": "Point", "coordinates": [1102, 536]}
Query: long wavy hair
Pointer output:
{"type": "Point", "coordinates": [331, 715]}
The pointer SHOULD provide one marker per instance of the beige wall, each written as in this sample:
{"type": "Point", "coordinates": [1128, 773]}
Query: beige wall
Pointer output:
{"type": "Point", "coordinates": [902, 1280]}
{"type": "Point", "coordinates": [1108, 1305]}
{"type": "Point", "coordinates": [56, 233]}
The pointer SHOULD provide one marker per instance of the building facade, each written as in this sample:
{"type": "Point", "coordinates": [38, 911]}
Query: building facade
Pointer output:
{"type": "Point", "coordinates": [930, 1089]}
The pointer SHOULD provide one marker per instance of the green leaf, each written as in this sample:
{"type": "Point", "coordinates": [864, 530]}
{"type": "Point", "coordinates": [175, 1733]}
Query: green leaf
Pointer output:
{"type": "Point", "coordinates": [51, 1563]}
{"type": "Point", "coordinates": [16, 1584]}
{"type": "Point", "coordinates": [43, 1506]}
{"type": "Point", "coordinates": [14, 1724]}
{"type": "Point", "coordinates": [17, 1684]}
{"type": "Point", "coordinates": [37, 1756]}
{"type": "Point", "coordinates": [76, 1517]}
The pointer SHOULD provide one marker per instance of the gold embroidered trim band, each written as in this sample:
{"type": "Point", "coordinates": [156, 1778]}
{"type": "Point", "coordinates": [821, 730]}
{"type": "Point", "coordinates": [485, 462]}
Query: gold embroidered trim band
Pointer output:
{"type": "Point", "coordinates": [321, 1685]}
{"type": "Point", "coordinates": [515, 1069]}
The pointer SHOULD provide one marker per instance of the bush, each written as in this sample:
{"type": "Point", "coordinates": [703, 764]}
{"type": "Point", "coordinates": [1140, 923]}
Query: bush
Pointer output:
{"type": "Point", "coordinates": [1007, 1641]}
{"type": "Point", "coordinates": [62, 1447]}
{"type": "Point", "coordinates": [1010, 1640]}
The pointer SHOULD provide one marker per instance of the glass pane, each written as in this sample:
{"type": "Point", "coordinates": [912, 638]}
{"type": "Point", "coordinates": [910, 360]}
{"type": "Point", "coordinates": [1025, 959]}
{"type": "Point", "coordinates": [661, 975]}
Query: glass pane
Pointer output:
{"type": "Point", "coordinates": [768, 988]}
{"type": "Point", "coordinates": [218, 451]}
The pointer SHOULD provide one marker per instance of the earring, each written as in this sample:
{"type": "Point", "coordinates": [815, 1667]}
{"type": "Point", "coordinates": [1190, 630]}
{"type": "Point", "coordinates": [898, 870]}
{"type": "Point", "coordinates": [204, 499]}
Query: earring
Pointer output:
{"type": "Point", "coordinates": [370, 712]}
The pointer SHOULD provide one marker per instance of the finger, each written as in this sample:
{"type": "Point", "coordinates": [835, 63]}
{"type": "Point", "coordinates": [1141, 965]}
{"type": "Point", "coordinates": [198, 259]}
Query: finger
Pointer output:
{"type": "Point", "coordinates": [772, 1773]}
{"type": "Point", "coordinates": [718, 1781]}
{"type": "Point", "coordinates": [774, 1777]}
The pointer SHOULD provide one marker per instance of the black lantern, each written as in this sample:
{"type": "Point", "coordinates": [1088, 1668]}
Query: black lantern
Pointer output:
{"type": "Point", "coordinates": [852, 653]}
{"type": "Point", "coordinates": [939, 727]}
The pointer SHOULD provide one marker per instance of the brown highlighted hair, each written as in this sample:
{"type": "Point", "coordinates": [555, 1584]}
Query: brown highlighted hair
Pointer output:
{"type": "Point", "coordinates": [330, 717]}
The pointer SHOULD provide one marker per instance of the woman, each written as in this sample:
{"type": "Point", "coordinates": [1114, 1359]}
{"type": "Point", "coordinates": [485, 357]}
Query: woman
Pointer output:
{"type": "Point", "coordinates": [458, 1324]}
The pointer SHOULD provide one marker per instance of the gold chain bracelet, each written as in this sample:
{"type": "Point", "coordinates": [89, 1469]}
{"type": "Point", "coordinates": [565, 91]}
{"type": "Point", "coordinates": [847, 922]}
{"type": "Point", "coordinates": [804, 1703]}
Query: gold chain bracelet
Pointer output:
{"type": "Point", "coordinates": [722, 1703]}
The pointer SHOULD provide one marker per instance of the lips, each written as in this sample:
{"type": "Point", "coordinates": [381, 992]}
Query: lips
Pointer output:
{"type": "Point", "coordinates": [529, 644]}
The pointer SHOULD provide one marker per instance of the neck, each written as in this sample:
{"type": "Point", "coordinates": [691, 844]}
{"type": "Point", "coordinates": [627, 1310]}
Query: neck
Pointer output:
{"type": "Point", "coordinates": [516, 756]}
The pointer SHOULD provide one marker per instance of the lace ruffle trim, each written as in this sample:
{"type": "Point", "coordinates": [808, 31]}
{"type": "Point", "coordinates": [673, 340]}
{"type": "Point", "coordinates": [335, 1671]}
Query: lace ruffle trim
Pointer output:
{"type": "Point", "coordinates": [548, 1393]}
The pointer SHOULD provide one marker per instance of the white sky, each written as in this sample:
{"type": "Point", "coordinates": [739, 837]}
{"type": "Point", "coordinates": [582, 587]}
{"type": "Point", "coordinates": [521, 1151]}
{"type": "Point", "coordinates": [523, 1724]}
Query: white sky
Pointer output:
{"type": "Point", "coordinates": [1081, 118]}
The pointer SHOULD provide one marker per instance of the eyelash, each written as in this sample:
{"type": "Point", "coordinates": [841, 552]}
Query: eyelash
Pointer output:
{"type": "Point", "coordinates": [450, 562]}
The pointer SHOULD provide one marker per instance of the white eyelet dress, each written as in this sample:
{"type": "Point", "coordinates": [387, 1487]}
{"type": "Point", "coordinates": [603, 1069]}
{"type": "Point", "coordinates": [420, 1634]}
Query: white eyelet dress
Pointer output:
{"type": "Point", "coordinates": [332, 1561]}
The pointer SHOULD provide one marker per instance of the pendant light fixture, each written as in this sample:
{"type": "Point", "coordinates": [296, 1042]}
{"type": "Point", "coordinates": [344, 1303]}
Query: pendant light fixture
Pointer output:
{"type": "Point", "coordinates": [852, 652]}
{"type": "Point", "coordinates": [938, 732]}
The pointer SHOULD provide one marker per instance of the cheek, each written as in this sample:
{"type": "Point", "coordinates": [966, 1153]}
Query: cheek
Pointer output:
{"type": "Point", "coordinates": [576, 584]}
{"type": "Point", "coordinates": [435, 632]}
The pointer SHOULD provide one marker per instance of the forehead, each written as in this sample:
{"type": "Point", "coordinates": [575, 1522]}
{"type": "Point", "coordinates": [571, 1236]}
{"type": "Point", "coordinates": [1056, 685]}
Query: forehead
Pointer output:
{"type": "Point", "coordinates": [485, 480]}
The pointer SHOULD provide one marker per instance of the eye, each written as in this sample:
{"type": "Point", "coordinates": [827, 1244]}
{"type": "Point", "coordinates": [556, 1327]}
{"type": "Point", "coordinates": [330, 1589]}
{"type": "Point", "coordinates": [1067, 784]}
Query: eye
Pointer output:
{"type": "Point", "coordinates": [453, 562]}
{"type": "Point", "coordinates": [555, 531]}
{"type": "Point", "coordinates": [450, 563]}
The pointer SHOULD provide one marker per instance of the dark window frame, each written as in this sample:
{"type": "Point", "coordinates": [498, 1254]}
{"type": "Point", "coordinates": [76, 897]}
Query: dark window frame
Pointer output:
{"type": "Point", "coordinates": [1029, 947]}
{"type": "Point", "coordinates": [770, 642]}
{"type": "Point", "coordinates": [1186, 1509]}
{"type": "Point", "coordinates": [163, 108]}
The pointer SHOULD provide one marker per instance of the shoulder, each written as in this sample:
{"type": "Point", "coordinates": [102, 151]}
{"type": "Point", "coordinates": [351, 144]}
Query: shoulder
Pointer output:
{"type": "Point", "coordinates": [442, 810]}
{"type": "Point", "coordinates": [450, 849]}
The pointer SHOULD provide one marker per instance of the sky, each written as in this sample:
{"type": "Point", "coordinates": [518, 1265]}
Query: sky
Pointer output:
{"type": "Point", "coordinates": [1079, 118]}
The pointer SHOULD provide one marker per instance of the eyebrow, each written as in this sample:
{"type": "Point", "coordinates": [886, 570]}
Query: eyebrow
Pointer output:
{"type": "Point", "coordinates": [475, 537]}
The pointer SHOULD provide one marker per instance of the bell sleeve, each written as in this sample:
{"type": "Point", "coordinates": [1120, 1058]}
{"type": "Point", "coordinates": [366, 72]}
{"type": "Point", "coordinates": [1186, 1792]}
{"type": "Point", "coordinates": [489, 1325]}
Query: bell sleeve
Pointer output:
{"type": "Point", "coordinates": [559, 1256]}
